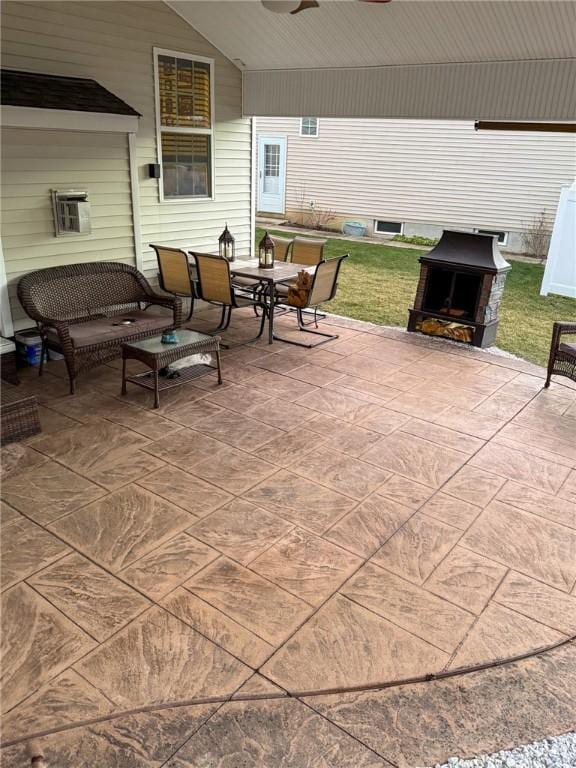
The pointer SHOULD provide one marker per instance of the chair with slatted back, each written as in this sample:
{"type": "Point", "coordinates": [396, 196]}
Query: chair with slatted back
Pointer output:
{"type": "Point", "coordinates": [176, 276]}
{"type": "Point", "coordinates": [322, 290]}
{"type": "Point", "coordinates": [308, 251]}
{"type": "Point", "coordinates": [215, 286]}
{"type": "Point", "coordinates": [282, 247]}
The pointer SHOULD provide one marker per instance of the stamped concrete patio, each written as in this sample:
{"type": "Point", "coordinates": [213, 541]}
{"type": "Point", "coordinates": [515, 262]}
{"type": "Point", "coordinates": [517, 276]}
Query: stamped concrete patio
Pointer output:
{"type": "Point", "coordinates": [381, 508]}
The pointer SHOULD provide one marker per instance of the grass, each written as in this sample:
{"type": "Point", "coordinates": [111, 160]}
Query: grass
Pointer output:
{"type": "Point", "coordinates": [378, 283]}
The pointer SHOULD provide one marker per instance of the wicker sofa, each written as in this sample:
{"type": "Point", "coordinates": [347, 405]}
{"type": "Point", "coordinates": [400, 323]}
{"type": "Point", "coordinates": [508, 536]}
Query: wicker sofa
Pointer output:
{"type": "Point", "coordinates": [87, 311]}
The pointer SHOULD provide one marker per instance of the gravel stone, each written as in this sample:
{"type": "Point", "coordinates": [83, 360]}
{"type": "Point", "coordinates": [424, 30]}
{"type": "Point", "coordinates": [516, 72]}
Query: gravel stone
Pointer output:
{"type": "Point", "coordinates": [553, 752]}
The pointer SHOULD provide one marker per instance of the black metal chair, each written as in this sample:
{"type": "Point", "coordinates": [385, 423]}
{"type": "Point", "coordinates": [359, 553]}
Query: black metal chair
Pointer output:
{"type": "Point", "coordinates": [176, 275]}
{"type": "Point", "coordinates": [323, 289]}
{"type": "Point", "coordinates": [215, 286]}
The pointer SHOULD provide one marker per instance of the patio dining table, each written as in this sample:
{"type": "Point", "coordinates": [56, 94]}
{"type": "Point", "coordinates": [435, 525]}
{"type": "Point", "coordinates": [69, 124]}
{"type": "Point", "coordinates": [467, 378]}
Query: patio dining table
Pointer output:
{"type": "Point", "coordinates": [281, 272]}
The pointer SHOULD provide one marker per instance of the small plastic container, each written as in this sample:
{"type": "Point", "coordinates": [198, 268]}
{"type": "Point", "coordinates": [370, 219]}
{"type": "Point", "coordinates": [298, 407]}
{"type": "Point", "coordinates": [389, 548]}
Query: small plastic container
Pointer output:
{"type": "Point", "coordinates": [28, 347]}
{"type": "Point", "coordinates": [355, 228]}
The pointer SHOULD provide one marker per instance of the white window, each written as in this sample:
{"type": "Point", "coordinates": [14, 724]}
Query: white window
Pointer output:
{"type": "Point", "coordinates": [309, 126]}
{"type": "Point", "coordinates": [502, 236]}
{"type": "Point", "coordinates": [388, 227]}
{"type": "Point", "coordinates": [185, 124]}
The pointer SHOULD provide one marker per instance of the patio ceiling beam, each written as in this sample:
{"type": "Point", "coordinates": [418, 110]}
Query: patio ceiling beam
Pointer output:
{"type": "Point", "coordinates": [535, 90]}
{"type": "Point", "coordinates": [493, 125]}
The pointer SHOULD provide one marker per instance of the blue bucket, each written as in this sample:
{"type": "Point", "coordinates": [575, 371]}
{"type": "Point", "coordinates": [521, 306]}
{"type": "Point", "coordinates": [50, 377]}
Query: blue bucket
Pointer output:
{"type": "Point", "coordinates": [355, 228]}
{"type": "Point", "coordinates": [28, 347]}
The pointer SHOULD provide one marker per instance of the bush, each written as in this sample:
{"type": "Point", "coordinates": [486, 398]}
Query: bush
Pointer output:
{"type": "Point", "coordinates": [536, 237]}
{"type": "Point", "coordinates": [416, 240]}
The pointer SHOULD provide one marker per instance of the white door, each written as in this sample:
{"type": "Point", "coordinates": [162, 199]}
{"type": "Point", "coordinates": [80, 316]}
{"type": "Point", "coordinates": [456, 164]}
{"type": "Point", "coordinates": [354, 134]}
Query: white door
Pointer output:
{"type": "Point", "coordinates": [271, 173]}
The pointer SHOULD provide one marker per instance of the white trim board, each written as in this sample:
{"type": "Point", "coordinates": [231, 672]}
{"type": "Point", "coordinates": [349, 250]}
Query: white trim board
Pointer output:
{"type": "Point", "coordinates": [67, 120]}
{"type": "Point", "coordinates": [6, 324]}
{"type": "Point", "coordinates": [135, 202]}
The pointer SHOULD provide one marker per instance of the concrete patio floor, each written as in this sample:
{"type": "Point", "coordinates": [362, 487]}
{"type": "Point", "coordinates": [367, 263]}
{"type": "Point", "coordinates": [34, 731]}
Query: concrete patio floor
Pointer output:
{"type": "Point", "coordinates": [381, 508]}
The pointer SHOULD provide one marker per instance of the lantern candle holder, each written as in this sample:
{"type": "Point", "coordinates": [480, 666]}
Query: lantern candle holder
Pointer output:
{"type": "Point", "coordinates": [227, 245]}
{"type": "Point", "coordinates": [266, 252]}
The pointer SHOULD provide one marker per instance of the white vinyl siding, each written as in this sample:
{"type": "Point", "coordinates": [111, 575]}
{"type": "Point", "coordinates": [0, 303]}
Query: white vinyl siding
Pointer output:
{"type": "Point", "coordinates": [113, 43]}
{"type": "Point", "coordinates": [439, 172]}
{"type": "Point", "coordinates": [34, 163]}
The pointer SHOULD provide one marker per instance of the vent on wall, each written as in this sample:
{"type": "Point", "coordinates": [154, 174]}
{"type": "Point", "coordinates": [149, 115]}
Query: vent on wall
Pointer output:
{"type": "Point", "coordinates": [71, 212]}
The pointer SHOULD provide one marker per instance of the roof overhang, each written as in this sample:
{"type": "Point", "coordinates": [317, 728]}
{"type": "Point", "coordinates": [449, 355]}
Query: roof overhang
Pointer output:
{"type": "Point", "coordinates": [67, 120]}
{"type": "Point", "coordinates": [456, 59]}
{"type": "Point", "coordinates": [60, 102]}
{"type": "Point", "coordinates": [493, 91]}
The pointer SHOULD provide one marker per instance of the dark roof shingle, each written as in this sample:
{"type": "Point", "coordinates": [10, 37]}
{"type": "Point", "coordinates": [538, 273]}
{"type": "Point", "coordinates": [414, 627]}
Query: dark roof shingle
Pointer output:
{"type": "Point", "coordinates": [32, 89]}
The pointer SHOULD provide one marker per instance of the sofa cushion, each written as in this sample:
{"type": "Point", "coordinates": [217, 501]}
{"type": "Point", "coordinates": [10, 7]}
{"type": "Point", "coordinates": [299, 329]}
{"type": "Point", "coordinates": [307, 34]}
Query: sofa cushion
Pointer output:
{"type": "Point", "coordinates": [115, 328]}
{"type": "Point", "coordinates": [568, 349]}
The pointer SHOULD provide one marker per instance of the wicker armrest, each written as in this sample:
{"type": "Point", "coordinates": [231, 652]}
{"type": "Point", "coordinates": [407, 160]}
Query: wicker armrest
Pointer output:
{"type": "Point", "coordinates": [563, 327]}
{"type": "Point", "coordinates": [165, 300]}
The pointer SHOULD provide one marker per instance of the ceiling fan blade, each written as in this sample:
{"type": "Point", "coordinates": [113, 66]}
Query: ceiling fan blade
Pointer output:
{"type": "Point", "coordinates": [304, 5]}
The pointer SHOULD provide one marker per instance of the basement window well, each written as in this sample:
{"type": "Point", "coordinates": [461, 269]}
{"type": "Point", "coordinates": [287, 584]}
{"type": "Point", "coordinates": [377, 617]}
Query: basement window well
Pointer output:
{"type": "Point", "coordinates": [388, 227]}
{"type": "Point", "coordinates": [502, 236]}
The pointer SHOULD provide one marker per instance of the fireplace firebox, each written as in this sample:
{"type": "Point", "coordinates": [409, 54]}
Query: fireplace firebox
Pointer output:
{"type": "Point", "coordinates": [460, 289]}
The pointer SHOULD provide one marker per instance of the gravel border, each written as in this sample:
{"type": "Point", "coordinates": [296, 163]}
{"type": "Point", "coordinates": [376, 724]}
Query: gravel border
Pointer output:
{"type": "Point", "coordinates": [554, 752]}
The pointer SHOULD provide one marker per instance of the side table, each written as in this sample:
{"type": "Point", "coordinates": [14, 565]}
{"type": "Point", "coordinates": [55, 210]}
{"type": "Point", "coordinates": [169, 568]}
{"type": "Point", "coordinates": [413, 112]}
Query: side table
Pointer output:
{"type": "Point", "coordinates": [157, 356]}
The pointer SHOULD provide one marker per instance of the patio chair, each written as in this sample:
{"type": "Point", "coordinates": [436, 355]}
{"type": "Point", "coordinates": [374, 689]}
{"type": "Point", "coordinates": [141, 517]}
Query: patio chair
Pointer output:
{"type": "Point", "coordinates": [176, 275]}
{"type": "Point", "coordinates": [215, 286]}
{"type": "Point", "coordinates": [323, 289]}
{"type": "Point", "coordinates": [562, 360]}
{"type": "Point", "coordinates": [282, 247]}
{"type": "Point", "coordinates": [307, 251]}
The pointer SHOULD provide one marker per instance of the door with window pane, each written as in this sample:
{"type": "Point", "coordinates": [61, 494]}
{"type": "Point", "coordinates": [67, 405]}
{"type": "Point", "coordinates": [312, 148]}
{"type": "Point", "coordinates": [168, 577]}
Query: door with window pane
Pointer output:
{"type": "Point", "coordinates": [271, 173]}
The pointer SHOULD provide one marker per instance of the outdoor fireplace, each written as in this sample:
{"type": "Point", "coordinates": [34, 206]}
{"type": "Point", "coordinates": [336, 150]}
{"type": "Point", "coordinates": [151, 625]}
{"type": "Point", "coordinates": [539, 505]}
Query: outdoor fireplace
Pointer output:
{"type": "Point", "coordinates": [460, 289]}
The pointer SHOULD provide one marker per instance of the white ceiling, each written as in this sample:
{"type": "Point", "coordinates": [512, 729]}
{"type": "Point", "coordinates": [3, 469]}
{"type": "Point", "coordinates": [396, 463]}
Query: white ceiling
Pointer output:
{"type": "Point", "coordinates": [347, 33]}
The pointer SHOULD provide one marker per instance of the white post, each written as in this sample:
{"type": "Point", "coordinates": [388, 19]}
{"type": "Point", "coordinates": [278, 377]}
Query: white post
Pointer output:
{"type": "Point", "coordinates": [135, 199]}
{"type": "Point", "coordinates": [253, 186]}
{"type": "Point", "coordinates": [7, 326]}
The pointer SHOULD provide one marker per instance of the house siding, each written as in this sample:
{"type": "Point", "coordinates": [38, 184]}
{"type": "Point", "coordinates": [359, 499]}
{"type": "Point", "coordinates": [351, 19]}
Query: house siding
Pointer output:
{"type": "Point", "coordinates": [424, 172]}
{"type": "Point", "coordinates": [33, 163]}
{"type": "Point", "coordinates": [113, 44]}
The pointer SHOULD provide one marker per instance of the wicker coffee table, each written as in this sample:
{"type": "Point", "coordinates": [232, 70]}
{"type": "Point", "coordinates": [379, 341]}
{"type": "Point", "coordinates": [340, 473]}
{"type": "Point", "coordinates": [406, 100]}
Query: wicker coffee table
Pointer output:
{"type": "Point", "coordinates": [158, 356]}
{"type": "Point", "coordinates": [19, 416]}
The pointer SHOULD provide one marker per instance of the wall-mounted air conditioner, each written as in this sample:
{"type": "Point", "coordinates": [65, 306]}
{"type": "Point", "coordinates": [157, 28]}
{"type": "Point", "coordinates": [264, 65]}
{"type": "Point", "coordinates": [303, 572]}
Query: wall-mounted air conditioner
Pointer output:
{"type": "Point", "coordinates": [71, 212]}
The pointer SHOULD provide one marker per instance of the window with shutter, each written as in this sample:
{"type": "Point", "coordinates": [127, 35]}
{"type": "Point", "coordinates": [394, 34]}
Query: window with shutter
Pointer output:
{"type": "Point", "coordinates": [184, 120]}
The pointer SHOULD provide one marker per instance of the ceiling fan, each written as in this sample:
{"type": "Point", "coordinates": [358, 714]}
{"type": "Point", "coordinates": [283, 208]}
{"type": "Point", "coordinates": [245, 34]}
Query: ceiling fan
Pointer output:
{"type": "Point", "coordinates": [295, 6]}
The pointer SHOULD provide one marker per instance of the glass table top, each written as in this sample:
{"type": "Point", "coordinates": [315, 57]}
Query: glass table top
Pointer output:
{"type": "Point", "coordinates": [155, 346]}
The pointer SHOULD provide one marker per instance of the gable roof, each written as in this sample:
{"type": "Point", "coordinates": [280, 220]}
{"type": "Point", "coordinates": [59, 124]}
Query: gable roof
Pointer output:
{"type": "Point", "coordinates": [32, 89]}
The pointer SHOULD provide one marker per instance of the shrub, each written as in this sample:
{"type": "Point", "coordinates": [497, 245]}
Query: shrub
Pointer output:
{"type": "Point", "coordinates": [416, 240]}
{"type": "Point", "coordinates": [536, 236]}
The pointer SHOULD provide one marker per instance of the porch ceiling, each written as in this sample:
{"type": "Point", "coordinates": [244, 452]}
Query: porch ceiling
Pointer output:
{"type": "Point", "coordinates": [453, 59]}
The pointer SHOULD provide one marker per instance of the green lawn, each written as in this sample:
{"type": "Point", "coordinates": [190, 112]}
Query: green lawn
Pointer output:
{"type": "Point", "coordinates": [378, 283]}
